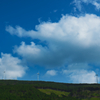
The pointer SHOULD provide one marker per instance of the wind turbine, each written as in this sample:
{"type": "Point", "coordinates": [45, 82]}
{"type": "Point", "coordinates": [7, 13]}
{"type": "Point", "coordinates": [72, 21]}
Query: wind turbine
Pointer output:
{"type": "Point", "coordinates": [4, 74]}
{"type": "Point", "coordinates": [38, 76]}
{"type": "Point", "coordinates": [97, 78]}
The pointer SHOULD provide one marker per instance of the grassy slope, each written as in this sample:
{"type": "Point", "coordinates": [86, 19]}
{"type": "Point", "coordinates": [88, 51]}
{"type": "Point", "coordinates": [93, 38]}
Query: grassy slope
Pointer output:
{"type": "Point", "coordinates": [59, 93]}
{"type": "Point", "coordinates": [26, 90]}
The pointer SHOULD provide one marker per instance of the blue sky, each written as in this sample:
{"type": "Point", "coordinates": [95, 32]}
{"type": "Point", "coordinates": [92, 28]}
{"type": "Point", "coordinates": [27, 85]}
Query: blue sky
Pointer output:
{"type": "Point", "coordinates": [58, 39]}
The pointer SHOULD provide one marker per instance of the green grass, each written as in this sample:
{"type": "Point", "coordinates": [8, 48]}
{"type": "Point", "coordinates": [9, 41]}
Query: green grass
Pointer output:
{"type": "Point", "coordinates": [95, 98]}
{"type": "Point", "coordinates": [59, 93]}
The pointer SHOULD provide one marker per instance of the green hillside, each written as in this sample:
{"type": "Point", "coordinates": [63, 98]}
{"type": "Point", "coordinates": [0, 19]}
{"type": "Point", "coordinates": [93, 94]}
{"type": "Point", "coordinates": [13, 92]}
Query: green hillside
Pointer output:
{"type": "Point", "coordinates": [41, 90]}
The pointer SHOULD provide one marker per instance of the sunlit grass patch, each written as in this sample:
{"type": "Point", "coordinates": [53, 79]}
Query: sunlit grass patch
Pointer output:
{"type": "Point", "coordinates": [93, 98]}
{"type": "Point", "coordinates": [59, 93]}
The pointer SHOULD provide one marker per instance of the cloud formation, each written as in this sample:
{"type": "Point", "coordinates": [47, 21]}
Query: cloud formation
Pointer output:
{"type": "Point", "coordinates": [79, 73]}
{"type": "Point", "coordinates": [78, 3]}
{"type": "Point", "coordinates": [71, 40]}
{"type": "Point", "coordinates": [12, 66]}
{"type": "Point", "coordinates": [51, 72]}
{"type": "Point", "coordinates": [81, 76]}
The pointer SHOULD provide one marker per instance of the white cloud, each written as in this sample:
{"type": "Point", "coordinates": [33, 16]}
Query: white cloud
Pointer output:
{"type": "Point", "coordinates": [79, 73]}
{"type": "Point", "coordinates": [68, 29]}
{"type": "Point", "coordinates": [51, 72]}
{"type": "Point", "coordinates": [12, 66]}
{"type": "Point", "coordinates": [78, 3]}
{"type": "Point", "coordinates": [83, 76]}
{"type": "Point", "coordinates": [76, 66]}
{"type": "Point", "coordinates": [55, 10]}
{"type": "Point", "coordinates": [71, 40]}
{"type": "Point", "coordinates": [19, 31]}
{"type": "Point", "coordinates": [80, 76]}
{"type": "Point", "coordinates": [36, 54]}
{"type": "Point", "coordinates": [97, 5]}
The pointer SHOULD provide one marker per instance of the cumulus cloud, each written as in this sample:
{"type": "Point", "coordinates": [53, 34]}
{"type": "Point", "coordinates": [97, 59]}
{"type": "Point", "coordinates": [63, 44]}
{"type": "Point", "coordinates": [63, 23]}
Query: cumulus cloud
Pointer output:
{"type": "Point", "coordinates": [71, 40]}
{"type": "Point", "coordinates": [19, 31]}
{"type": "Point", "coordinates": [83, 76]}
{"type": "Point", "coordinates": [69, 29]}
{"type": "Point", "coordinates": [78, 66]}
{"type": "Point", "coordinates": [36, 54]}
{"type": "Point", "coordinates": [12, 66]}
{"type": "Point", "coordinates": [80, 75]}
{"type": "Point", "coordinates": [78, 3]}
{"type": "Point", "coordinates": [97, 5]}
{"type": "Point", "coordinates": [51, 72]}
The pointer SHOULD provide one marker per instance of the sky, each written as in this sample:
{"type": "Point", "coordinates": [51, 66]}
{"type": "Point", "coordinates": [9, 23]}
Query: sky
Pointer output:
{"type": "Point", "coordinates": [59, 39]}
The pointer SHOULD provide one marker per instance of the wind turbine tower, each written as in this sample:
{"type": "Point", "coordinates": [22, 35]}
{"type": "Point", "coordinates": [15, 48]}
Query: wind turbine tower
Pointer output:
{"type": "Point", "coordinates": [4, 74]}
{"type": "Point", "coordinates": [97, 78]}
{"type": "Point", "coordinates": [38, 76]}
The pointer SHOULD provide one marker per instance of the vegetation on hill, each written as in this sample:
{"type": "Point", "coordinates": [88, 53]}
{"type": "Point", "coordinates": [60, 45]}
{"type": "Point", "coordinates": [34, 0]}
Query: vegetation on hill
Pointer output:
{"type": "Point", "coordinates": [40, 90]}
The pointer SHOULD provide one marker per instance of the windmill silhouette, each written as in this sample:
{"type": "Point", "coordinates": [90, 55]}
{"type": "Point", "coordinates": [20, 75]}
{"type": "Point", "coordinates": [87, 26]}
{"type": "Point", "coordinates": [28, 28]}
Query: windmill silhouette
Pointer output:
{"type": "Point", "coordinates": [97, 78]}
{"type": "Point", "coordinates": [4, 74]}
{"type": "Point", "coordinates": [38, 76]}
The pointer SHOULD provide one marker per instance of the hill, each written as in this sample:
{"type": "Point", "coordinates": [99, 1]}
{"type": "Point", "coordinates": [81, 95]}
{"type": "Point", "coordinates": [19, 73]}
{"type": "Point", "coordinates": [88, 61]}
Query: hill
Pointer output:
{"type": "Point", "coordinates": [41, 90]}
